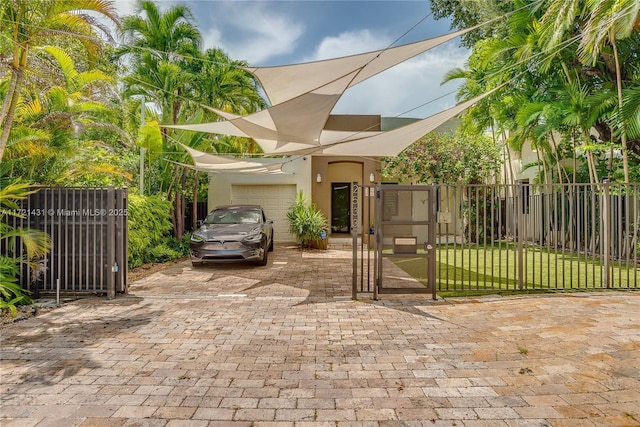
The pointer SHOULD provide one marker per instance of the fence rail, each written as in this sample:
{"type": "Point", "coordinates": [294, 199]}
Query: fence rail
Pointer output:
{"type": "Point", "coordinates": [88, 229]}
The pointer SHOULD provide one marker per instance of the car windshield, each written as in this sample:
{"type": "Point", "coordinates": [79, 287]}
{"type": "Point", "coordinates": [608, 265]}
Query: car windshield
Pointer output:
{"type": "Point", "coordinates": [227, 216]}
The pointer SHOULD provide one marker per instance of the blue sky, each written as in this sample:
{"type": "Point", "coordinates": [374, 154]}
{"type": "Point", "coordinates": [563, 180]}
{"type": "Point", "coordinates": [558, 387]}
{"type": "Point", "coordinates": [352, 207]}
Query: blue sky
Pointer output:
{"type": "Point", "coordinates": [273, 32]}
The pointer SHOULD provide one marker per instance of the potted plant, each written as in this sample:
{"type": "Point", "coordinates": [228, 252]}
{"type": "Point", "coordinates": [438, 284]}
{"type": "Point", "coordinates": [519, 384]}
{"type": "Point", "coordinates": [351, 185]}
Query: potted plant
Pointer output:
{"type": "Point", "coordinates": [306, 223]}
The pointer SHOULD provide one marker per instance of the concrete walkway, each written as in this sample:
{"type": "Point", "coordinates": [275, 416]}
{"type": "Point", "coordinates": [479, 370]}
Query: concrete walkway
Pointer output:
{"type": "Point", "coordinates": [284, 345]}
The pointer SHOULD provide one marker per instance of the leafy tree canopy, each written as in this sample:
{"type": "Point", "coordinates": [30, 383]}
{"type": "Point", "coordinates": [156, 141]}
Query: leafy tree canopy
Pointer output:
{"type": "Point", "coordinates": [446, 158]}
{"type": "Point", "coordinates": [568, 70]}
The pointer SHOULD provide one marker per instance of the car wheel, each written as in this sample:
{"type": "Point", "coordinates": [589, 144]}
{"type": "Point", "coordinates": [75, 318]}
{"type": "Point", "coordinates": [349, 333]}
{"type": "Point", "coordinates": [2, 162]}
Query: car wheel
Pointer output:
{"type": "Point", "coordinates": [265, 252]}
{"type": "Point", "coordinates": [271, 244]}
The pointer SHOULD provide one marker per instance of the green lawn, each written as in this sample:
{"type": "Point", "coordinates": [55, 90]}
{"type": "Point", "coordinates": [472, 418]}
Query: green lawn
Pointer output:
{"type": "Point", "coordinates": [494, 269]}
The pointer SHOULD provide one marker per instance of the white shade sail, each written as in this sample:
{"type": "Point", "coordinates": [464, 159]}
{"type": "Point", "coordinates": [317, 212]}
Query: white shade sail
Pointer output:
{"type": "Point", "coordinates": [302, 97]}
{"type": "Point", "coordinates": [282, 83]}
{"type": "Point", "coordinates": [224, 164]}
{"type": "Point", "coordinates": [391, 143]}
{"type": "Point", "coordinates": [379, 144]}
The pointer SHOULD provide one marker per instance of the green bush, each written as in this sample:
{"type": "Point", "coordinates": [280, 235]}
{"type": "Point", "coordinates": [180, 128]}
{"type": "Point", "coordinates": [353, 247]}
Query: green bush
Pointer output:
{"type": "Point", "coordinates": [11, 294]}
{"type": "Point", "coordinates": [163, 253]}
{"type": "Point", "coordinates": [19, 245]}
{"type": "Point", "coordinates": [150, 228]}
{"type": "Point", "coordinates": [306, 222]}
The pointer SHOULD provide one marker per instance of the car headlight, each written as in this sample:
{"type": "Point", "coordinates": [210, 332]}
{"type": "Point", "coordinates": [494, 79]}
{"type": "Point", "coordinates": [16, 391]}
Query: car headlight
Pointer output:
{"type": "Point", "coordinates": [253, 238]}
{"type": "Point", "coordinates": [196, 238]}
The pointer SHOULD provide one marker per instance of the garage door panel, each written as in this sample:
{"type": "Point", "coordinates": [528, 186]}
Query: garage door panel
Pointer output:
{"type": "Point", "coordinates": [275, 199]}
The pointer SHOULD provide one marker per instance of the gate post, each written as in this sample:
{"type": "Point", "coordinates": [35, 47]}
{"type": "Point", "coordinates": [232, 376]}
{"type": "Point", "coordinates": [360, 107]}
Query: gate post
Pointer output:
{"type": "Point", "coordinates": [520, 204]}
{"type": "Point", "coordinates": [431, 231]}
{"type": "Point", "coordinates": [111, 244]}
{"type": "Point", "coordinates": [354, 235]}
{"type": "Point", "coordinates": [606, 235]}
{"type": "Point", "coordinates": [377, 243]}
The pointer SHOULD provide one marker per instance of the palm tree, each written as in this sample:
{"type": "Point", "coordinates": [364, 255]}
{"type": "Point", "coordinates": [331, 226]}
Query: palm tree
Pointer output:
{"type": "Point", "coordinates": [168, 36]}
{"type": "Point", "coordinates": [48, 143]}
{"type": "Point", "coordinates": [159, 44]}
{"type": "Point", "coordinates": [29, 24]}
{"type": "Point", "coordinates": [223, 83]}
{"type": "Point", "coordinates": [169, 70]}
{"type": "Point", "coordinates": [602, 23]}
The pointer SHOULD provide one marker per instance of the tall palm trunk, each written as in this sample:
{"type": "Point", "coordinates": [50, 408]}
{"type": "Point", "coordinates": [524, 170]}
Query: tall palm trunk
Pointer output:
{"type": "Point", "coordinates": [9, 96]}
{"type": "Point", "coordinates": [623, 138]}
{"type": "Point", "coordinates": [180, 205]}
{"type": "Point", "coordinates": [575, 158]}
{"type": "Point", "coordinates": [10, 110]}
{"type": "Point", "coordinates": [194, 209]}
{"type": "Point", "coordinates": [593, 171]}
{"type": "Point", "coordinates": [557, 157]}
{"type": "Point", "coordinates": [509, 171]}
{"type": "Point", "coordinates": [541, 166]}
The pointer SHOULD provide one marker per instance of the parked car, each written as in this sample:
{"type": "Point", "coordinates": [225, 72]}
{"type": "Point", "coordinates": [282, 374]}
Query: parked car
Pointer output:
{"type": "Point", "coordinates": [233, 233]}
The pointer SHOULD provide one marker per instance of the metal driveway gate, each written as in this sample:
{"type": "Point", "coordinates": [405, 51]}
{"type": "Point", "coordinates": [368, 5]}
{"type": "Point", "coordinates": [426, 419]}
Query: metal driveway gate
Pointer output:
{"type": "Point", "coordinates": [88, 230]}
{"type": "Point", "coordinates": [401, 223]}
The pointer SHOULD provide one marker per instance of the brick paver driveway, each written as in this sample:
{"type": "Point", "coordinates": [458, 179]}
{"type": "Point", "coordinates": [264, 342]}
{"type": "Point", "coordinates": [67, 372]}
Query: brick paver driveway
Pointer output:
{"type": "Point", "coordinates": [284, 345]}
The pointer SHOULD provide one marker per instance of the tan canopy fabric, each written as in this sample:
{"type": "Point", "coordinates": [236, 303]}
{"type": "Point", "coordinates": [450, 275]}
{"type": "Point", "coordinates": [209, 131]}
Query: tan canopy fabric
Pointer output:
{"type": "Point", "coordinates": [282, 83]}
{"type": "Point", "coordinates": [224, 164]}
{"type": "Point", "coordinates": [392, 142]}
{"type": "Point", "coordinates": [373, 144]}
{"type": "Point", "coordinates": [302, 97]}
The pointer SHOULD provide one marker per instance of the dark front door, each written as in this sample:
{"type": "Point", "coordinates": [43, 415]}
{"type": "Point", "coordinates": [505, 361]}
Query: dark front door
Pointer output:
{"type": "Point", "coordinates": [340, 207]}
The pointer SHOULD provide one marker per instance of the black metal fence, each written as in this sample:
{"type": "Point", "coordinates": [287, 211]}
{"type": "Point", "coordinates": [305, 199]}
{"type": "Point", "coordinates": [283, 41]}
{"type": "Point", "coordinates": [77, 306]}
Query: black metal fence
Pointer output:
{"type": "Point", "coordinates": [551, 236]}
{"type": "Point", "coordinates": [88, 230]}
{"type": "Point", "coordinates": [526, 237]}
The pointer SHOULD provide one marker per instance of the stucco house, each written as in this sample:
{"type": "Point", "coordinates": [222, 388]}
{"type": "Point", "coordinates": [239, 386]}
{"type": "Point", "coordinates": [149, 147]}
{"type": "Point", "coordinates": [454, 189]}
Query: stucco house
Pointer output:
{"type": "Point", "coordinates": [326, 179]}
{"type": "Point", "coordinates": [306, 147]}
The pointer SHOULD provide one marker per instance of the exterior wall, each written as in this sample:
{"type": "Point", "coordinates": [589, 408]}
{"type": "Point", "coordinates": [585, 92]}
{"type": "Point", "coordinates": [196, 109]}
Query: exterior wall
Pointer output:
{"type": "Point", "coordinates": [297, 171]}
{"type": "Point", "coordinates": [515, 162]}
{"type": "Point", "coordinates": [263, 189]}
{"type": "Point", "coordinates": [353, 122]}
{"type": "Point", "coordinates": [301, 172]}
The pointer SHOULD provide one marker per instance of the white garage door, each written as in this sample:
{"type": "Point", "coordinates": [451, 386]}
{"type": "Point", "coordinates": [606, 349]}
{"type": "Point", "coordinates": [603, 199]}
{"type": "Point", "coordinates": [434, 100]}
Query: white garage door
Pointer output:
{"type": "Point", "coordinates": [275, 199]}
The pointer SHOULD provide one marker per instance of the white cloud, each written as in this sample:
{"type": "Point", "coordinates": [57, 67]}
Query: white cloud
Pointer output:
{"type": "Point", "coordinates": [349, 43]}
{"type": "Point", "coordinates": [125, 7]}
{"type": "Point", "coordinates": [408, 86]}
{"type": "Point", "coordinates": [405, 87]}
{"type": "Point", "coordinates": [255, 32]}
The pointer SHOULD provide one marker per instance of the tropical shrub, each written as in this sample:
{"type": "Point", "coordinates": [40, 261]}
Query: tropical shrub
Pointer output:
{"type": "Point", "coordinates": [11, 294]}
{"type": "Point", "coordinates": [150, 228]}
{"type": "Point", "coordinates": [446, 158]}
{"type": "Point", "coordinates": [306, 222]}
{"type": "Point", "coordinates": [19, 246]}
